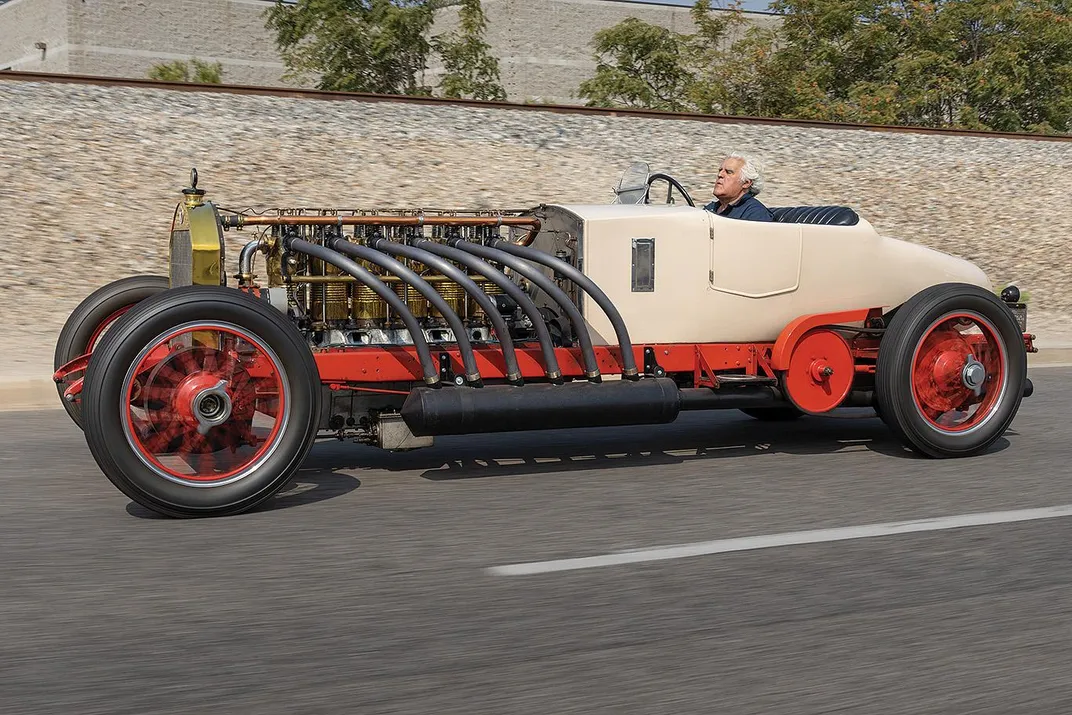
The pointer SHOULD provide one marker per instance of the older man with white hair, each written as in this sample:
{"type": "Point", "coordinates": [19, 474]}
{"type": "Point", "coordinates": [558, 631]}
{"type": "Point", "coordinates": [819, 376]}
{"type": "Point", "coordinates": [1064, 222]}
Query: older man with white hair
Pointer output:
{"type": "Point", "coordinates": [739, 180]}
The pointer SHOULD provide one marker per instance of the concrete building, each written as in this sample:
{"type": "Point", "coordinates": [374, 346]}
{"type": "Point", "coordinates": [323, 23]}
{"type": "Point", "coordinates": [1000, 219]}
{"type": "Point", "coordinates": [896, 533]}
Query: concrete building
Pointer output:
{"type": "Point", "coordinates": [542, 45]}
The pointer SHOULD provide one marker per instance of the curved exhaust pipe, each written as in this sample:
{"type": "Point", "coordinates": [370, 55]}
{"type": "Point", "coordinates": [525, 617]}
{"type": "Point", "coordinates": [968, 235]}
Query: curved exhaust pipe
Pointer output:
{"type": "Point", "coordinates": [629, 368]}
{"type": "Point", "coordinates": [554, 292]}
{"type": "Point", "coordinates": [551, 367]}
{"type": "Point", "coordinates": [513, 370]}
{"type": "Point", "coordinates": [472, 372]}
{"type": "Point", "coordinates": [431, 373]}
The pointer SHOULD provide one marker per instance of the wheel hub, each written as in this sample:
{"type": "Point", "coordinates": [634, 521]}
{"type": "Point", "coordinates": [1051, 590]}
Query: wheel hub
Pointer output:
{"type": "Point", "coordinates": [211, 406]}
{"type": "Point", "coordinates": [973, 375]}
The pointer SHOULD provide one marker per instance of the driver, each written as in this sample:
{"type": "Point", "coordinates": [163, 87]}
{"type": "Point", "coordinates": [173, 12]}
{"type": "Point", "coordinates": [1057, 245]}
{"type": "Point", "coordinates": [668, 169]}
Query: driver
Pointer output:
{"type": "Point", "coordinates": [735, 190]}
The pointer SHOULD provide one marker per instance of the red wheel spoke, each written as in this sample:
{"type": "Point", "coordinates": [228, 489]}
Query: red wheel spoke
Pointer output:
{"type": "Point", "coordinates": [199, 406]}
{"type": "Point", "coordinates": [958, 356]}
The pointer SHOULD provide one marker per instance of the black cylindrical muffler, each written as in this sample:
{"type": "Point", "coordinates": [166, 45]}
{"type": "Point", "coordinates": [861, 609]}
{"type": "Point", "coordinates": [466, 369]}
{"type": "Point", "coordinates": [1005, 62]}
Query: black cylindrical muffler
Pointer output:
{"type": "Point", "coordinates": [508, 408]}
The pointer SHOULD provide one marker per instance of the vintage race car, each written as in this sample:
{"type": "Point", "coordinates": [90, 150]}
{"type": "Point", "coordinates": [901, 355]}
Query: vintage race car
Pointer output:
{"type": "Point", "coordinates": [201, 392]}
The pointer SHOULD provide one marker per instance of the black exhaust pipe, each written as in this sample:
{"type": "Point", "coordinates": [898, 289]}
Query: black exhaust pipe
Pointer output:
{"type": "Point", "coordinates": [629, 368]}
{"type": "Point", "coordinates": [506, 408]}
{"type": "Point", "coordinates": [428, 366]}
{"type": "Point", "coordinates": [513, 370]}
{"type": "Point", "coordinates": [551, 368]}
{"type": "Point", "coordinates": [472, 372]}
{"type": "Point", "coordinates": [544, 283]}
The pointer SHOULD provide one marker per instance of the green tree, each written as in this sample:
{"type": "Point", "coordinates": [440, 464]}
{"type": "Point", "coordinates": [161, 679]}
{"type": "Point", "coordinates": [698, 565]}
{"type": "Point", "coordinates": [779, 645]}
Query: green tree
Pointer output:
{"type": "Point", "coordinates": [984, 64]}
{"type": "Point", "coordinates": [639, 65]}
{"type": "Point", "coordinates": [471, 70]}
{"type": "Point", "coordinates": [179, 71]}
{"type": "Point", "coordinates": [355, 45]}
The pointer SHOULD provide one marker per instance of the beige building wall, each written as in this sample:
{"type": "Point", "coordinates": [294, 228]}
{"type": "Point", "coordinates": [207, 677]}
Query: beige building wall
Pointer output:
{"type": "Point", "coordinates": [543, 46]}
{"type": "Point", "coordinates": [25, 23]}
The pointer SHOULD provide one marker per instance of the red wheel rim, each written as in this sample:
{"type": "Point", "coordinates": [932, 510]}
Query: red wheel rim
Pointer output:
{"type": "Point", "coordinates": [99, 330]}
{"type": "Point", "coordinates": [205, 404]}
{"type": "Point", "coordinates": [958, 372]}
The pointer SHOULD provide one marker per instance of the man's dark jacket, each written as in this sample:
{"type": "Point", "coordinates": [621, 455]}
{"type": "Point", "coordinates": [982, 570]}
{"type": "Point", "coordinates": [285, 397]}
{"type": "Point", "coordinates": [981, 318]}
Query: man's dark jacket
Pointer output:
{"type": "Point", "coordinates": [748, 208]}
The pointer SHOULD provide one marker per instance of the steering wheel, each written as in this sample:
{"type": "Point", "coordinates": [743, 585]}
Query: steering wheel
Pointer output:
{"type": "Point", "coordinates": [672, 184]}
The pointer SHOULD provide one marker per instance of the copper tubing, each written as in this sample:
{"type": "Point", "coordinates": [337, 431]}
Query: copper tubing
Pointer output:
{"type": "Point", "coordinates": [238, 220]}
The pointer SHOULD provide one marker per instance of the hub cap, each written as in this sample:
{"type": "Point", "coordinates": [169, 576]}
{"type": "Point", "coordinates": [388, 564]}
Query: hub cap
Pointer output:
{"type": "Point", "coordinates": [958, 372]}
{"type": "Point", "coordinates": [206, 404]}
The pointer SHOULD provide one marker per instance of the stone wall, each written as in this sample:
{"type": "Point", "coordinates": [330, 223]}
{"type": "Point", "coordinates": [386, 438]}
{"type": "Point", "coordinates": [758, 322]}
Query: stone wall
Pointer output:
{"type": "Point", "coordinates": [89, 176]}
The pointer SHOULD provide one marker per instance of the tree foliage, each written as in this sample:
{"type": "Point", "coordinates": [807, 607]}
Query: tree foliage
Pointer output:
{"type": "Point", "coordinates": [179, 71]}
{"type": "Point", "coordinates": [382, 46]}
{"type": "Point", "coordinates": [981, 64]}
{"type": "Point", "coordinates": [471, 70]}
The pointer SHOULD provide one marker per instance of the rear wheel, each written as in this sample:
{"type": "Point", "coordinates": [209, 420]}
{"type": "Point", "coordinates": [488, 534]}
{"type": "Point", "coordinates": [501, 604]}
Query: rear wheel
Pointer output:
{"type": "Point", "coordinates": [951, 371]}
{"type": "Point", "coordinates": [93, 316]}
{"type": "Point", "coordinates": [204, 402]}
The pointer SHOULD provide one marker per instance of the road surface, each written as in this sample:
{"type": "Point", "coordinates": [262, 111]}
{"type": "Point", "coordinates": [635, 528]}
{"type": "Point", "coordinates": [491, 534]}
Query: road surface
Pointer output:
{"type": "Point", "coordinates": [377, 584]}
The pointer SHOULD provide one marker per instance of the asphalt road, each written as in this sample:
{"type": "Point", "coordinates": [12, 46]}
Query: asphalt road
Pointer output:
{"type": "Point", "coordinates": [366, 588]}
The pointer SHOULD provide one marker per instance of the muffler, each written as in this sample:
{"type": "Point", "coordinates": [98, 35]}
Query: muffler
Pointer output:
{"type": "Point", "coordinates": [509, 408]}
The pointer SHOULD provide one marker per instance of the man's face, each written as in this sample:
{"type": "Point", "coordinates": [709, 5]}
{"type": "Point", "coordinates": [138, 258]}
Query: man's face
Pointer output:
{"type": "Point", "coordinates": [729, 185]}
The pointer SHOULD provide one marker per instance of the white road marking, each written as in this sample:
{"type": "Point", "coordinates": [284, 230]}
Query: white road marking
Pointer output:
{"type": "Point", "coordinates": [792, 538]}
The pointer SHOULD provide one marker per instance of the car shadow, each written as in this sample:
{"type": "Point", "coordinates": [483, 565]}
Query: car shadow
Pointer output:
{"type": "Point", "coordinates": [310, 485]}
{"type": "Point", "coordinates": [693, 437]}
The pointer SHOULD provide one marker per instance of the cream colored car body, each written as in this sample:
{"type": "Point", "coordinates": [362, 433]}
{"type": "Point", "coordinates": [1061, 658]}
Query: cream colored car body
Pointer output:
{"type": "Point", "coordinates": [718, 279]}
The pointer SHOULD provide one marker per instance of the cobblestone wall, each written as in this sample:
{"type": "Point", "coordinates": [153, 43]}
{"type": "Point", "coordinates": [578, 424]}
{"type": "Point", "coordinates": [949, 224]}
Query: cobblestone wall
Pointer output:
{"type": "Point", "coordinates": [89, 176]}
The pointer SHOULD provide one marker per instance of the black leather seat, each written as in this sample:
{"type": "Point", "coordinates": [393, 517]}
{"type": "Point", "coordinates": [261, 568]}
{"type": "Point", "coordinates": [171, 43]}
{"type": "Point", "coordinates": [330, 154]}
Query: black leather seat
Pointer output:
{"type": "Point", "coordinates": [830, 215]}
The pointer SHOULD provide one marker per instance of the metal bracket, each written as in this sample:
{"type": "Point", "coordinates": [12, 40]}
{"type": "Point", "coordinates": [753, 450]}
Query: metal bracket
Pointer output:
{"type": "Point", "coordinates": [651, 365]}
{"type": "Point", "coordinates": [446, 370]}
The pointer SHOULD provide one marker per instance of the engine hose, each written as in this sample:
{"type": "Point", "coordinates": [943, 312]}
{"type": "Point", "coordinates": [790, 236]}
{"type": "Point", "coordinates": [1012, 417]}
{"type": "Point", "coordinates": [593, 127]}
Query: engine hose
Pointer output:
{"type": "Point", "coordinates": [513, 370]}
{"type": "Point", "coordinates": [472, 372]}
{"type": "Point", "coordinates": [431, 373]}
{"type": "Point", "coordinates": [547, 347]}
{"type": "Point", "coordinates": [629, 368]}
{"type": "Point", "coordinates": [556, 294]}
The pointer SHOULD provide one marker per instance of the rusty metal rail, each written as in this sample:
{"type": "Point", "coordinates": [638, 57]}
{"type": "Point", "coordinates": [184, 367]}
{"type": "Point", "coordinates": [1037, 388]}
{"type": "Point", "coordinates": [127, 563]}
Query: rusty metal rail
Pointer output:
{"type": "Point", "coordinates": [324, 95]}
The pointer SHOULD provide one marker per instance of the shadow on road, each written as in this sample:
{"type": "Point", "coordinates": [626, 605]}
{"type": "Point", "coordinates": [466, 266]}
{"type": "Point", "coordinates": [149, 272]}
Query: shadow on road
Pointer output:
{"type": "Point", "coordinates": [691, 438]}
{"type": "Point", "coordinates": [311, 485]}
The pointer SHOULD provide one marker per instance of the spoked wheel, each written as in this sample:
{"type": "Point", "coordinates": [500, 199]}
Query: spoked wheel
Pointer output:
{"type": "Point", "coordinates": [93, 316]}
{"type": "Point", "coordinates": [951, 371]}
{"type": "Point", "coordinates": [204, 403]}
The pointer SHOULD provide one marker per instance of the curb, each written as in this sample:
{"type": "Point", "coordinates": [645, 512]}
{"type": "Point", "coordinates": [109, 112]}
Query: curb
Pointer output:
{"type": "Point", "coordinates": [36, 393]}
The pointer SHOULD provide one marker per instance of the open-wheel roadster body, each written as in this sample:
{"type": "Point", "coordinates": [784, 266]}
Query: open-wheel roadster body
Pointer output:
{"type": "Point", "coordinates": [200, 392]}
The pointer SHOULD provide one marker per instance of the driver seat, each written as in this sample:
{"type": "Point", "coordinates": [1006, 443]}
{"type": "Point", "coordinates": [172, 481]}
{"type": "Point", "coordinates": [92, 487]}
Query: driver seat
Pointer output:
{"type": "Point", "coordinates": [828, 215]}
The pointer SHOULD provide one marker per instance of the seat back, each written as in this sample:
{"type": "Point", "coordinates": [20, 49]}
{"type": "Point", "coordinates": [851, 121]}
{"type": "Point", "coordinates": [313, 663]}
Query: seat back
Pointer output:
{"type": "Point", "coordinates": [830, 215]}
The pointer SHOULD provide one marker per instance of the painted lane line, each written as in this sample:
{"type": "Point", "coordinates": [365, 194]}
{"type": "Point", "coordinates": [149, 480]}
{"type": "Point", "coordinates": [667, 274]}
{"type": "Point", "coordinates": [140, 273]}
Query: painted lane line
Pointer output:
{"type": "Point", "coordinates": [792, 538]}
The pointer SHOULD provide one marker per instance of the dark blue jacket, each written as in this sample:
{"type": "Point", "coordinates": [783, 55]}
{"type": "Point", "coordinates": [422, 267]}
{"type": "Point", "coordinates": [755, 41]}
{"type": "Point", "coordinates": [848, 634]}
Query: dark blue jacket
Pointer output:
{"type": "Point", "coordinates": [748, 208]}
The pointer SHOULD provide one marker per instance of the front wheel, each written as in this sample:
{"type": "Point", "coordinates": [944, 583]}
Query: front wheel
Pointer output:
{"type": "Point", "coordinates": [90, 319]}
{"type": "Point", "coordinates": [951, 371]}
{"type": "Point", "coordinates": [202, 402]}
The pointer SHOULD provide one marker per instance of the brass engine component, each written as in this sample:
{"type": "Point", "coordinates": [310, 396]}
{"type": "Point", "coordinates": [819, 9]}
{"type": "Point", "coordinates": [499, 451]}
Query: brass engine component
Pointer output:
{"type": "Point", "coordinates": [196, 249]}
{"type": "Point", "coordinates": [367, 305]}
{"type": "Point", "coordinates": [331, 300]}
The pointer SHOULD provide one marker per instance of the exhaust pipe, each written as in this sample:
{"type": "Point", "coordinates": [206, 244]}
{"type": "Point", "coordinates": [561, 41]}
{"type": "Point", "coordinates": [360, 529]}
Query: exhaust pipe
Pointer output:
{"type": "Point", "coordinates": [629, 368]}
{"type": "Point", "coordinates": [472, 372]}
{"type": "Point", "coordinates": [551, 368]}
{"type": "Point", "coordinates": [506, 408]}
{"type": "Point", "coordinates": [431, 373]}
{"type": "Point", "coordinates": [513, 370]}
{"type": "Point", "coordinates": [554, 292]}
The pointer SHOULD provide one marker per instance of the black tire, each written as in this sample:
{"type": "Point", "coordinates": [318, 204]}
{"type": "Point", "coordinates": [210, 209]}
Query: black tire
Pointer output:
{"type": "Point", "coordinates": [773, 414]}
{"type": "Point", "coordinates": [104, 403]}
{"type": "Point", "coordinates": [896, 403]}
{"type": "Point", "coordinates": [90, 314]}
